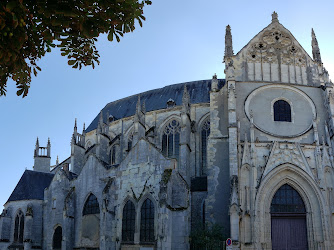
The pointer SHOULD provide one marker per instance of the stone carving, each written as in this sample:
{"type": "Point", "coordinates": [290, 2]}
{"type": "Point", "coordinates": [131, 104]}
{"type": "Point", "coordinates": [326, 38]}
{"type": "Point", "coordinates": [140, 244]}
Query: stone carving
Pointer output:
{"type": "Point", "coordinates": [29, 211]}
{"type": "Point", "coordinates": [283, 152]}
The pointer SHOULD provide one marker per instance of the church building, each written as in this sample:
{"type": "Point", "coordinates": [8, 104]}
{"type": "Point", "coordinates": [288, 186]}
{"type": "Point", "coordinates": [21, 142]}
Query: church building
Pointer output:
{"type": "Point", "coordinates": [251, 154]}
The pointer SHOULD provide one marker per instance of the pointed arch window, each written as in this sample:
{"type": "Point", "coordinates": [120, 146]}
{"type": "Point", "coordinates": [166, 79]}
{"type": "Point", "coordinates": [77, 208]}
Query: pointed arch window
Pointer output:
{"type": "Point", "coordinates": [205, 132]}
{"type": "Point", "coordinates": [171, 139]}
{"type": "Point", "coordinates": [19, 227]}
{"type": "Point", "coordinates": [91, 206]}
{"type": "Point", "coordinates": [57, 238]}
{"type": "Point", "coordinates": [287, 200]}
{"type": "Point", "coordinates": [282, 111]}
{"type": "Point", "coordinates": [147, 221]}
{"type": "Point", "coordinates": [128, 222]}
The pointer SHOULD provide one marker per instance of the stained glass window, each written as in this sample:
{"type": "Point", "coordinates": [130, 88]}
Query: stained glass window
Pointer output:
{"type": "Point", "coordinates": [147, 222]}
{"type": "Point", "coordinates": [19, 227]}
{"type": "Point", "coordinates": [128, 222]}
{"type": "Point", "coordinates": [205, 132]}
{"type": "Point", "coordinates": [287, 200]}
{"type": "Point", "coordinates": [57, 238]}
{"type": "Point", "coordinates": [282, 111]}
{"type": "Point", "coordinates": [171, 140]}
{"type": "Point", "coordinates": [91, 205]}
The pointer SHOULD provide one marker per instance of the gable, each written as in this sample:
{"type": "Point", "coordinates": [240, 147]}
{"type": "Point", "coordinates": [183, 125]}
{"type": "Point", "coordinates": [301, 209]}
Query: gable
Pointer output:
{"type": "Point", "coordinates": [274, 55]}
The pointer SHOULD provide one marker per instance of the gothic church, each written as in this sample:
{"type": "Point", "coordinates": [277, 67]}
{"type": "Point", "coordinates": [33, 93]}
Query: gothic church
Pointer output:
{"type": "Point", "coordinates": [252, 152]}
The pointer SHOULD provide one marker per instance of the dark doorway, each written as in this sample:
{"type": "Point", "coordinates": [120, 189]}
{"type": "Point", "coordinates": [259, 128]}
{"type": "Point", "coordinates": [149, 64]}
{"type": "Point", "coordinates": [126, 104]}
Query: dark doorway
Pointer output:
{"type": "Point", "coordinates": [57, 238]}
{"type": "Point", "coordinates": [288, 220]}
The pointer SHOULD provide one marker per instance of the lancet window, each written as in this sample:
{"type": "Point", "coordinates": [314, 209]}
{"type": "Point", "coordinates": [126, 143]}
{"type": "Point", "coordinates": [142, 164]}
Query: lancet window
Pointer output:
{"type": "Point", "coordinates": [147, 222]}
{"type": "Point", "coordinates": [171, 139]}
{"type": "Point", "coordinates": [128, 222]}
{"type": "Point", "coordinates": [19, 227]}
{"type": "Point", "coordinates": [91, 206]}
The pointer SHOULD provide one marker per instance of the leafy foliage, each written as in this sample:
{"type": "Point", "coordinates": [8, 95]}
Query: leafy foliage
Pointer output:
{"type": "Point", "coordinates": [208, 237]}
{"type": "Point", "coordinates": [30, 28]}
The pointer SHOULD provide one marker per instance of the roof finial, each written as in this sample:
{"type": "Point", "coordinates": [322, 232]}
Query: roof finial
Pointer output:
{"type": "Point", "coordinates": [228, 42]}
{"type": "Point", "coordinates": [75, 125]}
{"type": "Point", "coordinates": [83, 129]}
{"type": "Point", "coordinates": [274, 17]}
{"type": "Point", "coordinates": [315, 48]}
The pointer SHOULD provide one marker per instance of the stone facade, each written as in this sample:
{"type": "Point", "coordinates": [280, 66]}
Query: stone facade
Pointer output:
{"type": "Point", "coordinates": [200, 153]}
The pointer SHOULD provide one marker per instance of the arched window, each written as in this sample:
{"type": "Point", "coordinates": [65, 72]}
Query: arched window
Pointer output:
{"type": "Point", "coordinates": [19, 227]}
{"type": "Point", "coordinates": [282, 111]}
{"type": "Point", "coordinates": [205, 132]}
{"type": "Point", "coordinates": [128, 222]}
{"type": "Point", "coordinates": [287, 200]}
{"type": "Point", "coordinates": [171, 139]}
{"type": "Point", "coordinates": [57, 238]}
{"type": "Point", "coordinates": [147, 221]}
{"type": "Point", "coordinates": [91, 206]}
{"type": "Point", "coordinates": [113, 154]}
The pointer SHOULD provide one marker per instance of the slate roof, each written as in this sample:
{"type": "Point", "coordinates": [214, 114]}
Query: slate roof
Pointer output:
{"type": "Point", "coordinates": [31, 186]}
{"type": "Point", "coordinates": [157, 99]}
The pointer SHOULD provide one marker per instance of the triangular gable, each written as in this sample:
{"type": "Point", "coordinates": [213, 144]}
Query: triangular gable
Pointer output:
{"type": "Point", "coordinates": [274, 36]}
{"type": "Point", "coordinates": [282, 153]}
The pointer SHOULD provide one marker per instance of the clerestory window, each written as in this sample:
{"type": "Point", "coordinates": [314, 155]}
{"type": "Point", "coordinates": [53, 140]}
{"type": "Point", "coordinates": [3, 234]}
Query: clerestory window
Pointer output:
{"type": "Point", "coordinates": [282, 111]}
{"type": "Point", "coordinates": [171, 139]}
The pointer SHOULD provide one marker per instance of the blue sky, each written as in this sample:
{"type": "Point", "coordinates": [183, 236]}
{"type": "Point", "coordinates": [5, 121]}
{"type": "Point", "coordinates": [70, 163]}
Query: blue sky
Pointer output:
{"type": "Point", "coordinates": [180, 41]}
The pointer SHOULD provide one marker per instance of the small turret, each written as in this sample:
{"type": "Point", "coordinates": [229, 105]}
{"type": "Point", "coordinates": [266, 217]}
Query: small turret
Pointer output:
{"type": "Point", "coordinates": [77, 149]}
{"type": "Point", "coordinates": [42, 157]}
{"type": "Point", "coordinates": [228, 42]}
{"type": "Point", "coordinates": [100, 125]}
{"type": "Point", "coordinates": [315, 49]}
{"type": "Point", "coordinates": [139, 123]}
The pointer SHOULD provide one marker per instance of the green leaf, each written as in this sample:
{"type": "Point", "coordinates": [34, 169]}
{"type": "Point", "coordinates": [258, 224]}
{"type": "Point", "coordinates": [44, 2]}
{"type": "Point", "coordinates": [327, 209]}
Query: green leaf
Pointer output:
{"type": "Point", "coordinates": [71, 62]}
{"type": "Point", "coordinates": [111, 36]}
{"type": "Point", "coordinates": [11, 5]}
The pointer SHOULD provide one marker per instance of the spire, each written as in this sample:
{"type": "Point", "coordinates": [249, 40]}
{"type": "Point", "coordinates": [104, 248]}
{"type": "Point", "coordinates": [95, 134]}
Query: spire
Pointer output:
{"type": "Point", "coordinates": [75, 125]}
{"type": "Point", "coordinates": [36, 148]}
{"type": "Point", "coordinates": [315, 48]}
{"type": "Point", "coordinates": [185, 100]}
{"type": "Point", "coordinates": [83, 129]}
{"type": "Point", "coordinates": [138, 106]}
{"type": "Point", "coordinates": [274, 17]}
{"type": "Point", "coordinates": [48, 148]}
{"type": "Point", "coordinates": [57, 161]}
{"type": "Point", "coordinates": [228, 42]}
